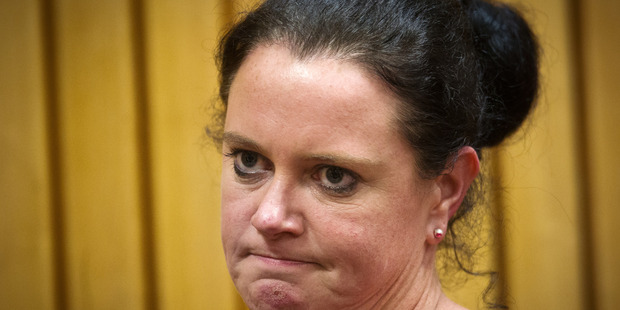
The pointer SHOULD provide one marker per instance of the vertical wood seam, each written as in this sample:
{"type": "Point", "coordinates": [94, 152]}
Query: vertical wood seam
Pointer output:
{"type": "Point", "coordinates": [54, 153]}
{"type": "Point", "coordinates": [149, 259]}
{"type": "Point", "coordinates": [588, 276]}
{"type": "Point", "coordinates": [498, 218]}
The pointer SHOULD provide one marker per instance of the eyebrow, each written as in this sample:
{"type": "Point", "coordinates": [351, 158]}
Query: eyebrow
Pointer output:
{"type": "Point", "coordinates": [234, 139]}
{"type": "Point", "coordinates": [342, 160]}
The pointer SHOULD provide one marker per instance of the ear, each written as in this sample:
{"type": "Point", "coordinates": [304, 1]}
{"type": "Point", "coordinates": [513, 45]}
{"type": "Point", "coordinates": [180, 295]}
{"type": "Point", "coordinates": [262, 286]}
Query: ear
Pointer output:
{"type": "Point", "coordinates": [452, 186]}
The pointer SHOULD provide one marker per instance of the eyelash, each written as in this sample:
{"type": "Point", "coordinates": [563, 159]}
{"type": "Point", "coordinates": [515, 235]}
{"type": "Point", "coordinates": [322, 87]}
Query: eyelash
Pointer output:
{"type": "Point", "coordinates": [338, 190]}
{"type": "Point", "coordinates": [334, 190]}
{"type": "Point", "coordinates": [243, 175]}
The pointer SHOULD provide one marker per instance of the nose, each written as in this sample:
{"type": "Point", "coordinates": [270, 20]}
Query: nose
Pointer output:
{"type": "Point", "coordinates": [276, 216]}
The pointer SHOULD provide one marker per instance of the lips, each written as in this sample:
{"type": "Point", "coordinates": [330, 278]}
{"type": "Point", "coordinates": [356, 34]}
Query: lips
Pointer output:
{"type": "Point", "coordinates": [278, 260]}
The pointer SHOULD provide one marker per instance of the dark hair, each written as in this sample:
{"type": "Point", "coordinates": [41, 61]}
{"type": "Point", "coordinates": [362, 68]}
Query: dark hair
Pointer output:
{"type": "Point", "coordinates": [465, 71]}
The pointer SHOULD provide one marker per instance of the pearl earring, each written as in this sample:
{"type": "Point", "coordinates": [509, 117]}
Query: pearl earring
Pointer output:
{"type": "Point", "coordinates": [438, 233]}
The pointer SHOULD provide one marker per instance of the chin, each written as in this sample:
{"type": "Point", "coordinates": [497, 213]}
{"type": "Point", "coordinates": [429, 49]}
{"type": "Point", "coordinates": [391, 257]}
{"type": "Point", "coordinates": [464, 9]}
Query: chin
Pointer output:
{"type": "Point", "coordinates": [266, 294]}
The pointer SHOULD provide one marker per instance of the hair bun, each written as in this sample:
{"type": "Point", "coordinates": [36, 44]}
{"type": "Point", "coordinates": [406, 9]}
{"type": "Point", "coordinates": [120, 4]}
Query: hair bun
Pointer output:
{"type": "Point", "coordinates": [508, 59]}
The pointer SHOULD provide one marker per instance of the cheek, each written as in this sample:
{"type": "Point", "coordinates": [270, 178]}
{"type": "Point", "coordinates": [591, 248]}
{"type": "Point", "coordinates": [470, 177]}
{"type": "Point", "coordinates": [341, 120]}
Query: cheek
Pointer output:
{"type": "Point", "coordinates": [374, 244]}
{"type": "Point", "coordinates": [236, 209]}
{"type": "Point", "coordinates": [398, 230]}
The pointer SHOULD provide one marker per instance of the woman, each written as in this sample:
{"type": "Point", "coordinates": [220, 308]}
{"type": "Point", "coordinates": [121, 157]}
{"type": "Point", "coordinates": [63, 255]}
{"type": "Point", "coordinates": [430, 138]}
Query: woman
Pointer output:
{"type": "Point", "coordinates": [352, 135]}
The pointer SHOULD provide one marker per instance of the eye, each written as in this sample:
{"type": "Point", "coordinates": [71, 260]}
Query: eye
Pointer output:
{"type": "Point", "coordinates": [337, 180]}
{"type": "Point", "coordinates": [249, 165]}
{"type": "Point", "coordinates": [248, 159]}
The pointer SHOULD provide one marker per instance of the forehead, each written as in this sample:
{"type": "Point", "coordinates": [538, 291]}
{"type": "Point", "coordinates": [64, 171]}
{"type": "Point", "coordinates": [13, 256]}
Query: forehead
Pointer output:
{"type": "Point", "coordinates": [319, 98]}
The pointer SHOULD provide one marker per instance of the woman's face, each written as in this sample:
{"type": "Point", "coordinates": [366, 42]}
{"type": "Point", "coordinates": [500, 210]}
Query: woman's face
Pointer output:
{"type": "Point", "coordinates": [321, 204]}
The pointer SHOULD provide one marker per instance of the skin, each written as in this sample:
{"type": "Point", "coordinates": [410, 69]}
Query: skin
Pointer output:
{"type": "Point", "coordinates": [322, 207]}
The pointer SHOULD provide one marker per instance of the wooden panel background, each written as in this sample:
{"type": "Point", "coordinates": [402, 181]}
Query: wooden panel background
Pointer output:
{"type": "Point", "coordinates": [542, 244]}
{"type": "Point", "coordinates": [109, 188]}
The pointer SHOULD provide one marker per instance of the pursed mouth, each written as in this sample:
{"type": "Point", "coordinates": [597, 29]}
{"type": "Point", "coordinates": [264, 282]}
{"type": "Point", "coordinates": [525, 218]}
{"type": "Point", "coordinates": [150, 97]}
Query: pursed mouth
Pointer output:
{"type": "Point", "coordinates": [279, 261]}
